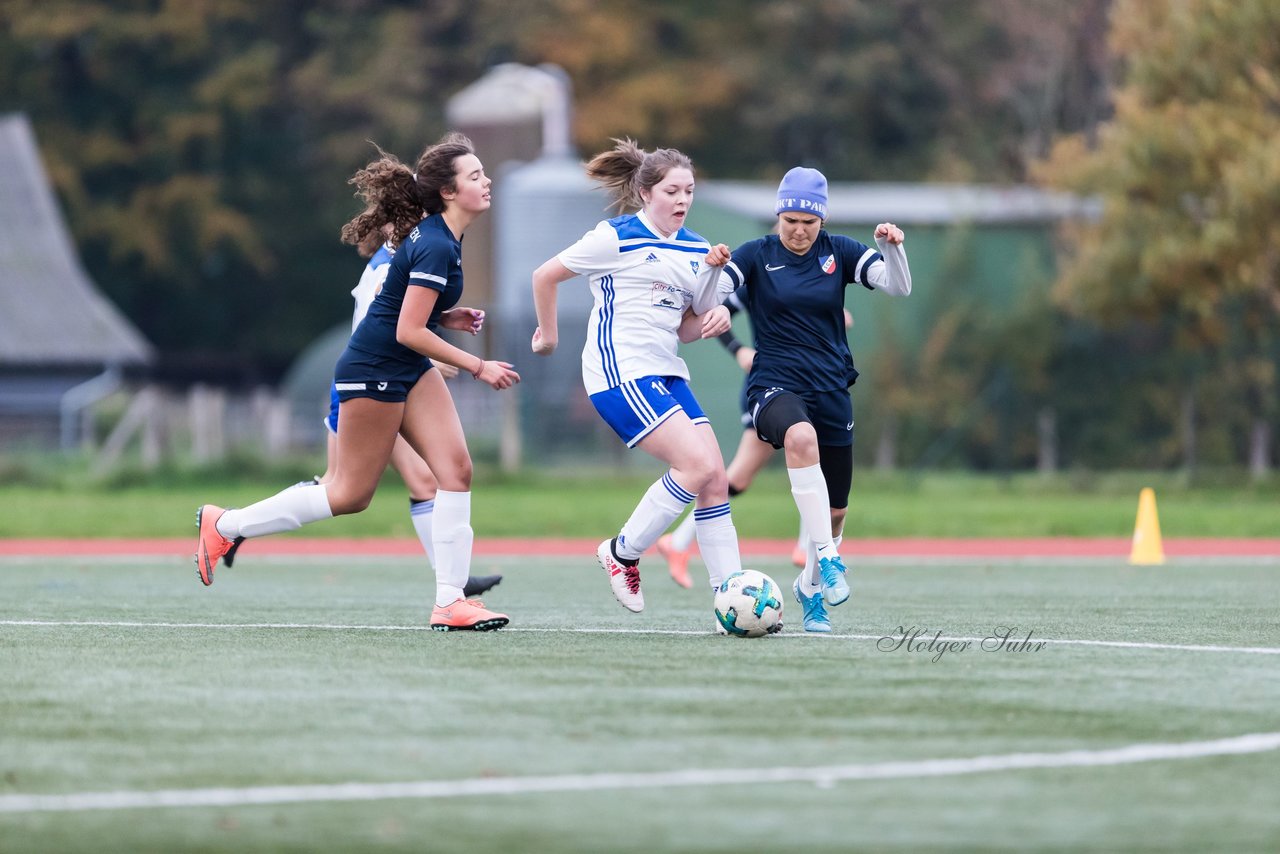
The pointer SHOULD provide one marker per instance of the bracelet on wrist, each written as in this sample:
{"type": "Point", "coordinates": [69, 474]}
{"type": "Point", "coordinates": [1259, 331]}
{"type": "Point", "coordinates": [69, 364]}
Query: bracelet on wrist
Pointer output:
{"type": "Point", "coordinates": [478, 371]}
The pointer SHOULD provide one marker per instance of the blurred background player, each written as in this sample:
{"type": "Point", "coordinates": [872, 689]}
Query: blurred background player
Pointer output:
{"type": "Point", "coordinates": [642, 268]}
{"type": "Point", "coordinates": [412, 468]}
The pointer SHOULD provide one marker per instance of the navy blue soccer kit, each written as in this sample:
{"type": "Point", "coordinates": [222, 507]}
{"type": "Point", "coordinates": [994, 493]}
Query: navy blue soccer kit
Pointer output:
{"type": "Point", "coordinates": [375, 364]}
{"type": "Point", "coordinates": [796, 306]}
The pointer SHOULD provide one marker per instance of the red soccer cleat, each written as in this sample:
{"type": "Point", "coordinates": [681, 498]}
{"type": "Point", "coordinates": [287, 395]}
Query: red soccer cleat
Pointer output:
{"type": "Point", "coordinates": [677, 561]}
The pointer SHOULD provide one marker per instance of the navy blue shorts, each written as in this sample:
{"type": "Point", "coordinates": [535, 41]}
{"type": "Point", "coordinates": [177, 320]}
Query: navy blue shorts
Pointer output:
{"type": "Point", "coordinates": [359, 374]}
{"type": "Point", "coordinates": [830, 413]}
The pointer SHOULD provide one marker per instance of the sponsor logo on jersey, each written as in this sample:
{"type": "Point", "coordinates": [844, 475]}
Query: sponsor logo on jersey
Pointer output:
{"type": "Point", "coordinates": [773, 267]}
{"type": "Point", "coordinates": [415, 234]}
{"type": "Point", "coordinates": [652, 259]}
{"type": "Point", "coordinates": [828, 264]}
{"type": "Point", "coordinates": [382, 386]}
{"type": "Point", "coordinates": [670, 296]}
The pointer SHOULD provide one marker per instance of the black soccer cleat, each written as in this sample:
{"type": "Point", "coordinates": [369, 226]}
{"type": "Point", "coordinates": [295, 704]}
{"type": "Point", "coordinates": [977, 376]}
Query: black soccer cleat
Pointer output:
{"type": "Point", "coordinates": [230, 557]}
{"type": "Point", "coordinates": [477, 584]}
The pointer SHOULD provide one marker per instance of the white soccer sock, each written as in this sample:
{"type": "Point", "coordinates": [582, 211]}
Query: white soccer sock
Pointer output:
{"type": "Point", "coordinates": [452, 535]}
{"type": "Point", "coordinates": [682, 536]}
{"type": "Point", "coordinates": [802, 538]}
{"type": "Point", "coordinates": [662, 503]}
{"type": "Point", "coordinates": [420, 513]}
{"type": "Point", "coordinates": [810, 578]}
{"type": "Point", "coordinates": [809, 490]}
{"type": "Point", "coordinates": [284, 511]}
{"type": "Point", "coordinates": [718, 542]}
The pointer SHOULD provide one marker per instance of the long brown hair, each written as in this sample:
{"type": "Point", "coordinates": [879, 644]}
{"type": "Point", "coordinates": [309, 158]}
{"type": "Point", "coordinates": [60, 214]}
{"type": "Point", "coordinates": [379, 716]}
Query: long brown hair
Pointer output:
{"type": "Point", "coordinates": [626, 169]}
{"type": "Point", "coordinates": [395, 195]}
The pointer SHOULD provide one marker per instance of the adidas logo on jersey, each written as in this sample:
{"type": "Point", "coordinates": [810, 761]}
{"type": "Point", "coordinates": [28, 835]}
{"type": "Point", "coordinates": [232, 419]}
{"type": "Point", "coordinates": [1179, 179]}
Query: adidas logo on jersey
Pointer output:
{"type": "Point", "coordinates": [652, 259]}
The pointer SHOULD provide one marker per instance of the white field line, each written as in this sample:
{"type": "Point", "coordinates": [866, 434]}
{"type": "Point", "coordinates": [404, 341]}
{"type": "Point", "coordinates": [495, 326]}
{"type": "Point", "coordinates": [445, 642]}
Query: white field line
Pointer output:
{"type": "Point", "coordinates": [822, 776]}
{"type": "Point", "coordinates": [339, 627]}
{"type": "Point", "coordinates": [896, 561]}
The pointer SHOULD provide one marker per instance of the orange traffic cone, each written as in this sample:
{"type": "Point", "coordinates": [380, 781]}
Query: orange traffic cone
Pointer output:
{"type": "Point", "coordinates": [1147, 548]}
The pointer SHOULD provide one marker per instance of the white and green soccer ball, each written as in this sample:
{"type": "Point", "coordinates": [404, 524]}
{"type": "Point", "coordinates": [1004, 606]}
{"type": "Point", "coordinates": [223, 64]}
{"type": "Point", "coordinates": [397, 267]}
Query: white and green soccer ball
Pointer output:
{"type": "Point", "coordinates": [749, 605]}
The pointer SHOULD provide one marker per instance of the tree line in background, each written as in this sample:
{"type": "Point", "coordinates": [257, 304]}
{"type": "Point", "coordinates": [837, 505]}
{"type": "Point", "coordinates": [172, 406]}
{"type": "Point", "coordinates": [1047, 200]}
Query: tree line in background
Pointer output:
{"type": "Point", "coordinates": [201, 150]}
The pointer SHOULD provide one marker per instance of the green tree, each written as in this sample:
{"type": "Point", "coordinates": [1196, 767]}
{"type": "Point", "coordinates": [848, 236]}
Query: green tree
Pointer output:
{"type": "Point", "coordinates": [162, 129]}
{"type": "Point", "coordinates": [868, 91]}
{"type": "Point", "coordinates": [1189, 174]}
{"type": "Point", "coordinates": [200, 148]}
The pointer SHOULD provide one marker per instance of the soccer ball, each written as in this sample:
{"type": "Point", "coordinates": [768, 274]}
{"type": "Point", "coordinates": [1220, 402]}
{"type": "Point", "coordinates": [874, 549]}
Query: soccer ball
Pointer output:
{"type": "Point", "coordinates": [749, 605]}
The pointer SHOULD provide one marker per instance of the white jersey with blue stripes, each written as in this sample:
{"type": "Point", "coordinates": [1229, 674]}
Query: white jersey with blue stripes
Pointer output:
{"type": "Point", "coordinates": [642, 281]}
{"type": "Point", "coordinates": [375, 273]}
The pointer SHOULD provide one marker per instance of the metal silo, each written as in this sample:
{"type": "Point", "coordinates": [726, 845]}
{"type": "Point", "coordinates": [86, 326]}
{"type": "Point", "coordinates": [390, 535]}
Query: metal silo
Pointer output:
{"type": "Point", "coordinates": [545, 206]}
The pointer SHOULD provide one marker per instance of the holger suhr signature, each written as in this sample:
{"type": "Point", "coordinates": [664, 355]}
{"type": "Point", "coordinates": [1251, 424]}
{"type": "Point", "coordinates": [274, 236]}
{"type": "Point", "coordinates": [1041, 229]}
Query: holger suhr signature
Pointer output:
{"type": "Point", "coordinates": [915, 639]}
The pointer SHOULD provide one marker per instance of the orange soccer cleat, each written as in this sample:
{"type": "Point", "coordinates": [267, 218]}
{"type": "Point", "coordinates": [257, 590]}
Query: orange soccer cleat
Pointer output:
{"type": "Point", "coordinates": [466, 615]}
{"type": "Point", "coordinates": [211, 546]}
{"type": "Point", "coordinates": [677, 561]}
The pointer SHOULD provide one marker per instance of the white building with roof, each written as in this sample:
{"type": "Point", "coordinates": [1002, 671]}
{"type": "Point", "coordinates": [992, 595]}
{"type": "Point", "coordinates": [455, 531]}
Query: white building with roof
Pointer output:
{"type": "Point", "coordinates": [63, 344]}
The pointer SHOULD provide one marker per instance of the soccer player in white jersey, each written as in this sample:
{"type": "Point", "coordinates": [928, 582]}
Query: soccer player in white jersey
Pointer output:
{"type": "Point", "coordinates": [793, 286]}
{"type": "Point", "coordinates": [412, 468]}
{"type": "Point", "coordinates": [385, 377]}
{"type": "Point", "coordinates": [641, 268]}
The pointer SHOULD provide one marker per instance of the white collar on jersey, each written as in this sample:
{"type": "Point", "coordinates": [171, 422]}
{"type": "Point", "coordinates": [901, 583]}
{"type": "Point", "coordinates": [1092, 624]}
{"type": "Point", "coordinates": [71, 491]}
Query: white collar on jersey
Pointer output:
{"type": "Point", "coordinates": [648, 223]}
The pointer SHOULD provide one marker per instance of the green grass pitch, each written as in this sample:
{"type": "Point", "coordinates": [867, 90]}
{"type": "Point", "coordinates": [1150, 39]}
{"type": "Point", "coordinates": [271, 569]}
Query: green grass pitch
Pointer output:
{"type": "Point", "coordinates": [584, 728]}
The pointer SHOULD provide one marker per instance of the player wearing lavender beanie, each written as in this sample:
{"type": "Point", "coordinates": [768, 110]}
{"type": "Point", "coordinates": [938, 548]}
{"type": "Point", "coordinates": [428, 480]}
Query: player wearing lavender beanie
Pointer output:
{"type": "Point", "coordinates": [803, 190]}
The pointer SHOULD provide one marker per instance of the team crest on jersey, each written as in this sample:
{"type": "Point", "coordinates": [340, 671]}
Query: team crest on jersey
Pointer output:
{"type": "Point", "coordinates": [828, 264]}
{"type": "Point", "coordinates": [694, 265]}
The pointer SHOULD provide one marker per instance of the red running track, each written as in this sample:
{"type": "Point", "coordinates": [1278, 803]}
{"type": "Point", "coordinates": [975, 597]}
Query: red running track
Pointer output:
{"type": "Point", "coordinates": [1037, 547]}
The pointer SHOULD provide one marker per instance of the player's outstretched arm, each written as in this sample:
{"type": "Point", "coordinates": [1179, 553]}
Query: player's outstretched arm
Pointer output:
{"type": "Point", "coordinates": [892, 276]}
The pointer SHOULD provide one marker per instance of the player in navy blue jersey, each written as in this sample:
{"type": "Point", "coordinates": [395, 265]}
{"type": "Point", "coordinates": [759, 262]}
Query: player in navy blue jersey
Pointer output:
{"type": "Point", "coordinates": [413, 470]}
{"type": "Point", "coordinates": [752, 455]}
{"type": "Point", "coordinates": [641, 269]}
{"type": "Point", "coordinates": [385, 379]}
{"type": "Point", "coordinates": [798, 390]}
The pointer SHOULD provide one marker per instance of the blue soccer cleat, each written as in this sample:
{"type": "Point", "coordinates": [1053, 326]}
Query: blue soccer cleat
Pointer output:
{"type": "Point", "coordinates": [835, 587]}
{"type": "Point", "coordinates": [815, 612]}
